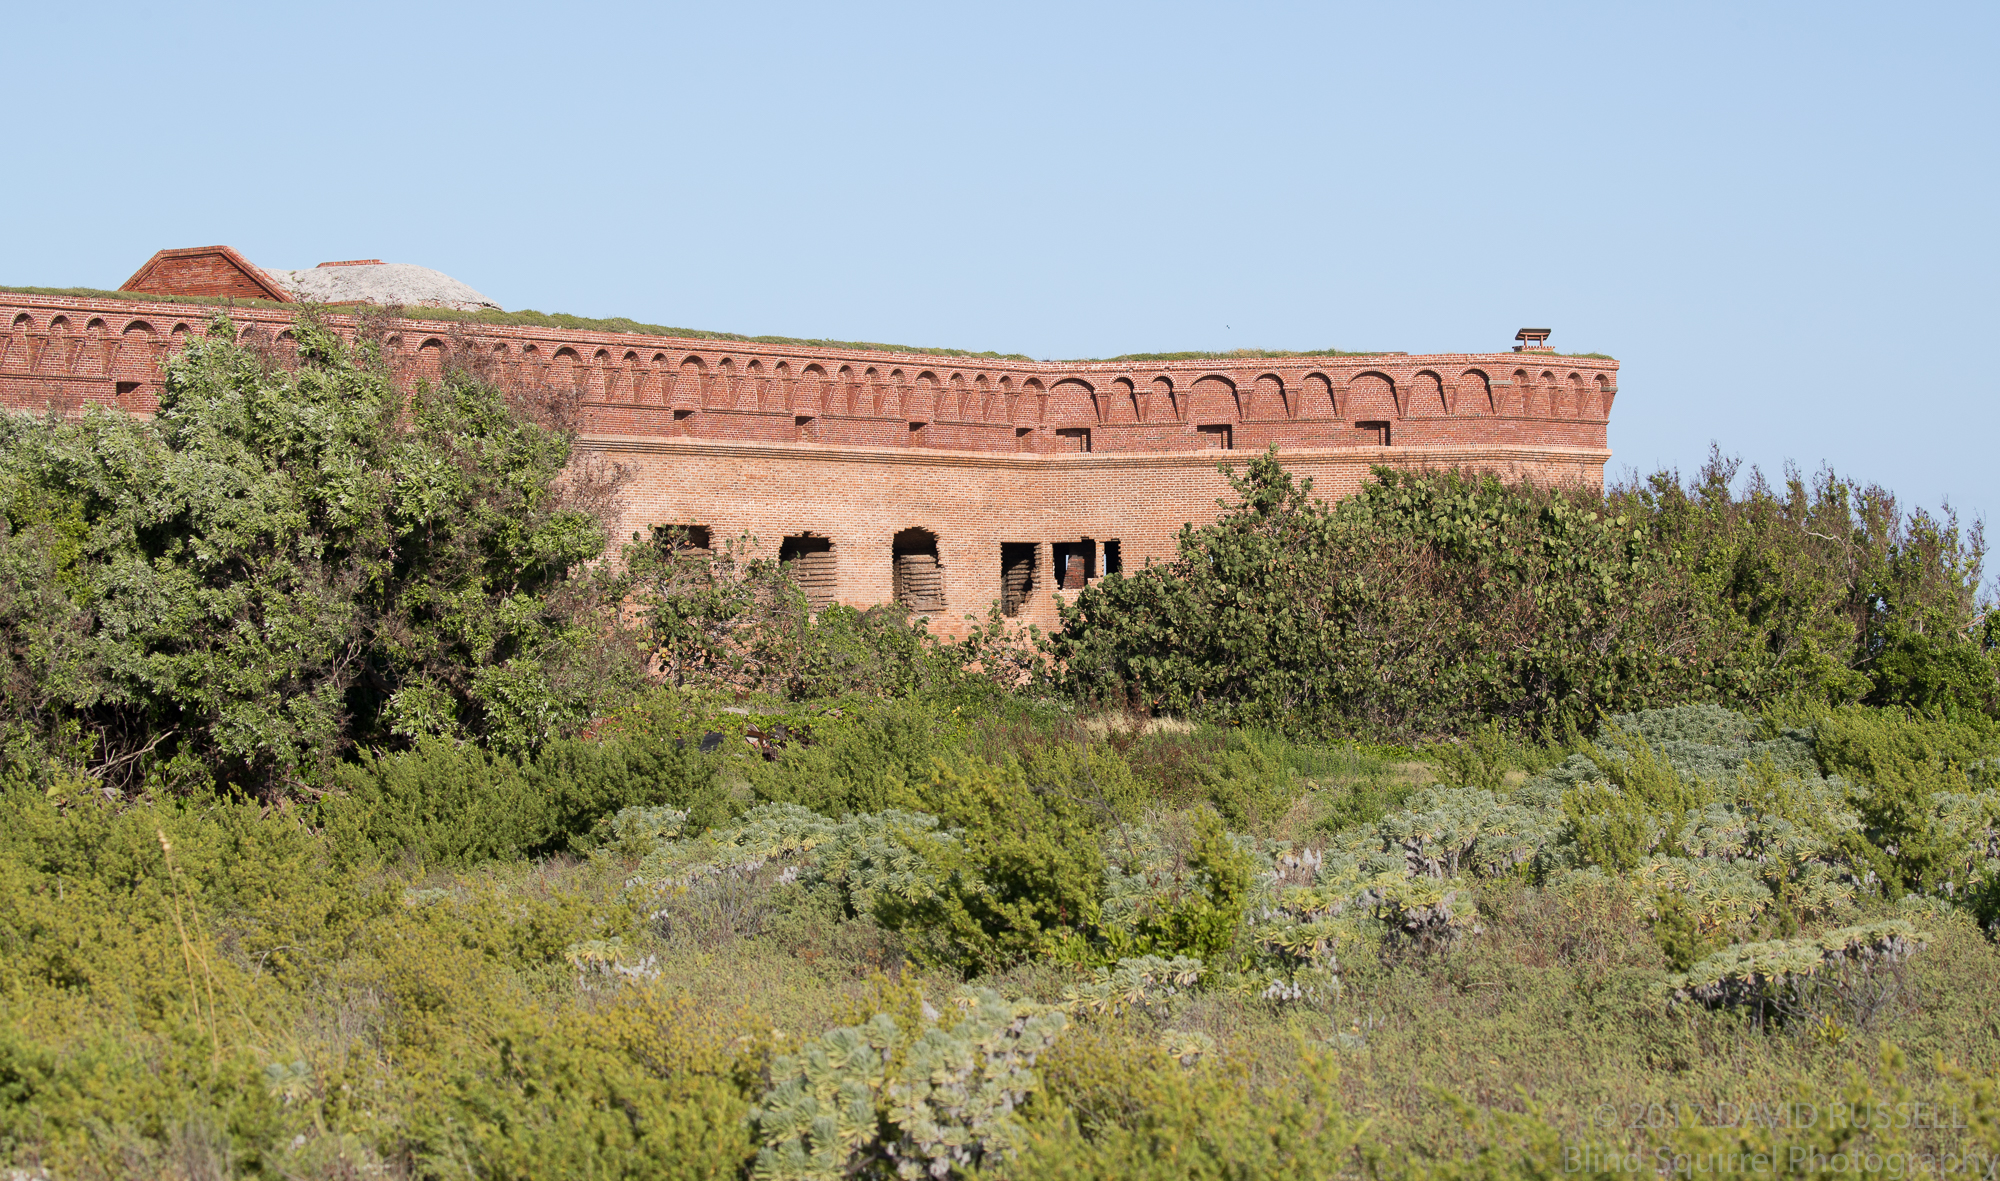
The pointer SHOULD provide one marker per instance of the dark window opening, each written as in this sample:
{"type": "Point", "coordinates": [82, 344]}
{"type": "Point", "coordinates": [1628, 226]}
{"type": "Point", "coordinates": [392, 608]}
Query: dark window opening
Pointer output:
{"type": "Point", "coordinates": [1074, 438]}
{"type": "Point", "coordinates": [919, 433]}
{"type": "Point", "coordinates": [808, 427]}
{"type": "Point", "coordinates": [683, 421]}
{"type": "Point", "coordinates": [918, 578]}
{"type": "Point", "coordinates": [127, 387]}
{"type": "Point", "coordinates": [1024, 438]}
{"type": "Point", "coordinates": [1217, 438]}
{"type": "Point", "coordinates": [1017, 575]}
{"type": "Point", "coordinates": [812, 567]}
{"type": "Point", "coordinates": [1076, 563]}
{"type": "Point", "coordinates": [691, 540]}
{"type": "Point", "coordinates": [1379, 429]}
{"type": "Point", "coordinates": [1114, 560]}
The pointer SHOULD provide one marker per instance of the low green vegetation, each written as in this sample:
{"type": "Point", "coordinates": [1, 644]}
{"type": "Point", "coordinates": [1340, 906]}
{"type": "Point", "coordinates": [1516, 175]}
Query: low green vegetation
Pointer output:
{"type": "Point", "coordinates": [355, 821]}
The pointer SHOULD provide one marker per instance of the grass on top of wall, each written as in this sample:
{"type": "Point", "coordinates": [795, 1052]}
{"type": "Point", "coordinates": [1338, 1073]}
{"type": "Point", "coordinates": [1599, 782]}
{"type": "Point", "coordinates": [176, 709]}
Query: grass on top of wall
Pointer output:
{"type": "Point", "coordinates": [527, 318]}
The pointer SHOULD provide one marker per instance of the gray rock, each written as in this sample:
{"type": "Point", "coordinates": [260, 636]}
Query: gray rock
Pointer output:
{"type": "Point", "coordinates": [383, 283]}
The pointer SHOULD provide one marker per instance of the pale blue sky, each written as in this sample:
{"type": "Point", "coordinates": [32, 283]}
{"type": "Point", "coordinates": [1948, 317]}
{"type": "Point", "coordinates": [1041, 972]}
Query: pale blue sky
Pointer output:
{"type": "Point", "coordinates": [1781, 218]}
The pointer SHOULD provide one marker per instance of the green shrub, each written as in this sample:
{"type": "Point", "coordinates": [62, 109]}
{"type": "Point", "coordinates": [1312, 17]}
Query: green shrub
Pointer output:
{"type": "Point", "coordinates": [1198, 909]}
{"type": "Point", "coordinates": [450, 803]}
{"type": "Point", "coordinates": [1434, 603]}
{"type": "Point", "coordinates": [1024, 872]}
{"type": "Point", "coordinates": [1116, 1106]}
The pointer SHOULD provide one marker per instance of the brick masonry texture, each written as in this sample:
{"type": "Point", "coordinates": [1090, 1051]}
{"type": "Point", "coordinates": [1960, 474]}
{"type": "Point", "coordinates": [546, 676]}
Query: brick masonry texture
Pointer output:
{"type": "Point", "coordinates": [855, 446]}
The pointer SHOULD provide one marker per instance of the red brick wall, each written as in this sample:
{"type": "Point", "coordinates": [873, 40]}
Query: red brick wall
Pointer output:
{"type": "Point", "coordinates": [205, 271]}
{"type": "Point", "coordinates": [855, 445]}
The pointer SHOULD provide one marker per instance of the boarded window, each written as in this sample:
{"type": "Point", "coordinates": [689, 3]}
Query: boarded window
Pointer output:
{"type": "Point", "coordinates": [1075, 438]}
{"type": "Point", "coordinates": [1216, 438]}
{"type": "Point", "coordinates": [812, 566]}
{"type": "Point", "coordinates": [1017, 575]}
{"type": "Point", "coordinates": [918, 580]}
{"type": "Point", "coordinates": [1076, 563]}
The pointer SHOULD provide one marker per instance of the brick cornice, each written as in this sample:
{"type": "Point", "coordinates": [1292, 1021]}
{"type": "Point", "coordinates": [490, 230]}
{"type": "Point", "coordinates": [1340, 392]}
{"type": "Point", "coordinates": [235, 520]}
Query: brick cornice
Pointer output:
{"type": "Point", "coordinates": [1432, 456]}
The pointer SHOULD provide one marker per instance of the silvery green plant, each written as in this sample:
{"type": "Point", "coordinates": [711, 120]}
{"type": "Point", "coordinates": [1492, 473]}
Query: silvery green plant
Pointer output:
{"type": "Point", "coordinates": [1145, 984]}
{"type": "Point", "coordinates": [876, 1100]}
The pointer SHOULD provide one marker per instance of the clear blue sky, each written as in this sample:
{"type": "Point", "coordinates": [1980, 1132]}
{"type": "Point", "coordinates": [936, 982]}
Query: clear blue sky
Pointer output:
{"type": "Point", "coordinates": [1781, 218]}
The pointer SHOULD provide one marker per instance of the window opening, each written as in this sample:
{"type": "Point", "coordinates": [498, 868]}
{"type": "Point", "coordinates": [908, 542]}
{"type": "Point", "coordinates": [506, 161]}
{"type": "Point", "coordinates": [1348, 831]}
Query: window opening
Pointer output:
{"type": "Point", "coordinates": [918, 577]}
{"type": "Point", "coordinates": [812, 567]}
{"type": "Point", "coordinates": [1076, 563]}
{"type": "Point", "coordinates": [1114, 558]}
{"type": "Point", "coordinates": [807, 426]}
{"type": "Point", "coordinates": [1017, 575]}
{"type": "Point", "coordinates": [1217, 438]}
{"type": "Point", "coordinates": [1379, 429]}
{"type": "Point", "coordinates": [1023, 438]}
{"type": "Point", "coordinates": [127, 387]}
{"type": "Point", "coordinates": [691, 540]}
{"type": "Point", "coordinates": [1073, 438]}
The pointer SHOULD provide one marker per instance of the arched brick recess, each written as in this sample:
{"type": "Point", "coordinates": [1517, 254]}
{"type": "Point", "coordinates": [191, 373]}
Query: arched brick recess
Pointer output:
{"type": "Point", "coordinates": [1371, 397]}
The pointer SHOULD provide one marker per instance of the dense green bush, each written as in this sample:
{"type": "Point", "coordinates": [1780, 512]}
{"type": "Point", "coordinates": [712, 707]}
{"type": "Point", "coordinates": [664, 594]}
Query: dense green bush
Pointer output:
{"type": "Point", "coordinates": [452, 803]}
{"type": "Point", "coordinates": [1431, 603]}
{"type": "Point", "coordinates": [292, 557]}
{"type": "Point", "coordinates": [1025, 872]}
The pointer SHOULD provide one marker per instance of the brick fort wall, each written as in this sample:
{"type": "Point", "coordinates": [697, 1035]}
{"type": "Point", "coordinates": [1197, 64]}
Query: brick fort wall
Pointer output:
{"type": "Point", "coordinates": [954, 470]}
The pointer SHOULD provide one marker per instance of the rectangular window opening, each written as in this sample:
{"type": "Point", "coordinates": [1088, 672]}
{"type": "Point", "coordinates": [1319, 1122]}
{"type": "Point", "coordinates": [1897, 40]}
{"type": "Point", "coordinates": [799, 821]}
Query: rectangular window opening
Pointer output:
{"type": "Point", "coordinates": [1017, 575]}
{"type": "Point", "coordinates": [1378, 429]}
{"type": "Point", "coordinates": [1076, 563]}
{"type": "Point", "coordinates": [1114, 557]}
{"type": "Point", "coordinates": [127, 387]}
{"type": "Point", "coordinates": [687, 540]}
{"type": "Point", "coordinates": [917, 578]}
{"type": "Point", "coordinates": [1217, 438]}
{"type": "Point", "coordinates": [1073, 438]}
{"type": "Point", "coordinates": [812, 565]}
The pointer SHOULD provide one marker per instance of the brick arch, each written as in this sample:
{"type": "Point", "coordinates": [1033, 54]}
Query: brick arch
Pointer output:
{"type": "Point", "coordinates": [1316, 396]}
{"type": "Point", "coordinates": [1475, 394]}
{"type": "Point", "coordinates": [1576, 403]}
{"type": "Point", "coordinates": [1426, 395]}
{"type": "Point", "coordinates": [1267, 398]}
{"type": "Point", "coordinates": [1122, 401]}
{"type": "Point", "coordinates": [689, 378]}
{"type": "Point", "coordinates": [138, 328]}
{"type": "Point", "coordinates": [1371, 397]}
{"type": "Point", "coordinates": [809, 390]}
{"type": "Point", "coordinates": [849, 393]}
{"type": "Point", "coordinates": [922, 405]}
{"type": "Point", "coordinates": [1604, 395]}
{"type": "Point", "coordinates": [955, 405]}
{"type": "Point", "coordinates": [1212, 398]}
{"type": "Point", "coordinates": [1034, 403]}
{"type": "Point", "coordinates": [1072, 402]}
{"type": "Point", "coordinates": [1161, 404]}
{"type": "Point", "coordinates": [430, 358]}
